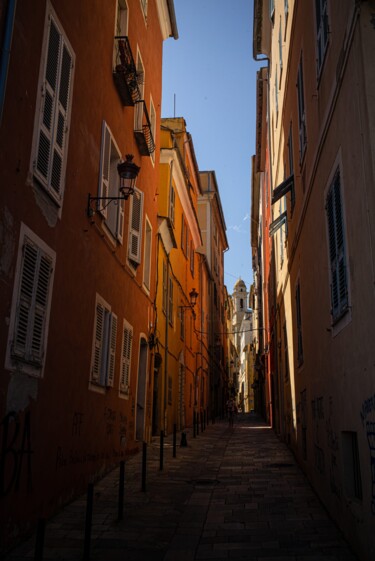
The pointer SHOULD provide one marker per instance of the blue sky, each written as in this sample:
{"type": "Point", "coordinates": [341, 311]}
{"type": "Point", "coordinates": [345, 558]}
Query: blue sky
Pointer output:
{"type": "Point", "coordinates": [209, 79]}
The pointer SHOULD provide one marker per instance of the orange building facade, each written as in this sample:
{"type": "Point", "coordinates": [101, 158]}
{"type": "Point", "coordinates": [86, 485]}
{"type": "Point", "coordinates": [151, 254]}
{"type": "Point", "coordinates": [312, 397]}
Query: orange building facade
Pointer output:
{"type": "Point", "coordinates": [78, 272]}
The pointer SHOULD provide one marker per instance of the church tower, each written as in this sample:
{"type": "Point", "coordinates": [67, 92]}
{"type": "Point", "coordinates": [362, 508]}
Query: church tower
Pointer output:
{"type": "Point", "coordinates": [240, 307]}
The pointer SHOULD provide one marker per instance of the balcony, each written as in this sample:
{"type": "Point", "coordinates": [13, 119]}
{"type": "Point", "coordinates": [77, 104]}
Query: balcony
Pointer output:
{"type": "Point", "coordinates": [125, 75]}
{"type": "Point", "coordinates": [142, 129]}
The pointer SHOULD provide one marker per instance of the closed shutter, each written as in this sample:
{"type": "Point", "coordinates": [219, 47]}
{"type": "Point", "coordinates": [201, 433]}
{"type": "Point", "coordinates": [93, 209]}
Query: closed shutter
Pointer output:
{"type": "Point", "coordinates": [54, 117]}
{"type": "Point", "coordinates": [126, 358]}
{"type": "Point", "coordinates": [98, 344]}
{"type": "Point", "coordinates": [135, 234]}
{"type": "Point", "coordinates": [112, 351]}
{"type": "Point", "coordinates": [32, 304]}
{"type": "Point", "coordinates": [105, 162]}
{"type": "Point", "coordinates": [339, 289]}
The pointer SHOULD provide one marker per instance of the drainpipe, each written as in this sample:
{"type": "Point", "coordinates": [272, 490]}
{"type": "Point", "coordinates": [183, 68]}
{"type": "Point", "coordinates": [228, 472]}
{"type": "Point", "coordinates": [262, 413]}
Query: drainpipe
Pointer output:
{"type": "Point", "coordinates": [5, 51]}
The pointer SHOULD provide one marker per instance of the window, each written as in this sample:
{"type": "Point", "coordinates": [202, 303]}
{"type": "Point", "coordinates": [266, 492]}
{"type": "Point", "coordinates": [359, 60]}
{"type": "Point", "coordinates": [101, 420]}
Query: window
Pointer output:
{"type": "Point", "coordinates": [53, 119]}
{"type": "Point", "coordinates": [27, 341]}
{"type": "Point", "coordinates": [153, 127]}
{"type": "Point", "coordinates": [147, 257]}
{"type": "Point", "coordinates": [337, 251]}
{"type": "Point", "coordinates": [121, 26]}
{"type": "Point", "coordinates": [184, 234]}
{"type": "Point", "coordinates": [135, 227]}
{"type": "Point", "coordinates": [126, 354]}
{"type": "Point", "coordinates": [321, 30]}
{"type": "Point", "coordinates": [352, 468]}
{"type": "Point", "coordinates": [182, 323]}
{"type": "Point", "coordinates": [144, 6]}
{"type": "Point", "coordinates": [272, 10]}
{"type": "Point", "coordinates": [280, 51]}
{"type": "Point", "coordinates": [109, 183]}
{"type": "Point", "coordinates": [104, 345]}
{"type": "Point", "coordinates": [172, 202]}
{"type": "Point", "coordinates": [291, 166]}
{"type": "Point", "coordinates": [301, 112]}
{"type": "Point", "coordinates": [170, 302]}
{"type": "Point", "coordinates": [299, 325]}
{"type": "Point", "coordinates": [192, 255]}
{"type": "Point", "coordinates": [138, 113]}
{"type": "Point", "coordinates": [276, 95]}
{"type": "Point", "coordinates": [165, 286]}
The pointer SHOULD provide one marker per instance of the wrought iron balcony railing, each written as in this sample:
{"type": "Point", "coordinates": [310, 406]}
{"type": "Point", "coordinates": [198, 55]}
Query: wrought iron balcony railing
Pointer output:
{"type": "Point", "coordinates": [125, 74]}
{"type": "Point", "coordinates": [142, 129]}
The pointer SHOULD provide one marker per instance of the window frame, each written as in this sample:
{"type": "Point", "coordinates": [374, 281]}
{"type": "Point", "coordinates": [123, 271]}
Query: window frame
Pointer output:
{"type": "Point", "coordinates": [340, 260]}
{"type": "Point", "coordinates": [126, 358]}
{"type": "Point", "coordinates": [52, 120]}
{"type": "Point", "coordinates": [135, 230]}
{"type": "Point", "coordinates": [147, 255]}
{"type": "Point", "coordinates": [322, 29]}
{"type": "Point", "coordinates": [109, 184]}
{"type": "Point", "coordinates": [103, 355]}
{"type": "Point", "coordinates": [14, 361]}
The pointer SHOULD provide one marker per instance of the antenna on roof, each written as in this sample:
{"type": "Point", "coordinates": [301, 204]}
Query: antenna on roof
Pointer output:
{"type": "Point", "coordinates": [174, 105]}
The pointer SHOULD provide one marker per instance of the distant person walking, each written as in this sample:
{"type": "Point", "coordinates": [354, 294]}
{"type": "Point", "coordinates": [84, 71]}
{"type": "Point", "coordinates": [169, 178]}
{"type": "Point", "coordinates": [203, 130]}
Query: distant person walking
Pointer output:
{"type": "Point", "coordinates": [231, 410]}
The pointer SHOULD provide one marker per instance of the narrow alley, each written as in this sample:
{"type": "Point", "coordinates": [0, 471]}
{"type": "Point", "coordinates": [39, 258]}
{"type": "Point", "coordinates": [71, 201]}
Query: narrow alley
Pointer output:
{"type": "Point", "coordinates": [229, 494]}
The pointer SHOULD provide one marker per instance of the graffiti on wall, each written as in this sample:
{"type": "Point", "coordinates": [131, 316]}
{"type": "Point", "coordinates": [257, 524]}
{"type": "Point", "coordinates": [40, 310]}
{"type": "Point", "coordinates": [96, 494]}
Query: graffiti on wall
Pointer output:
{"type": "Point", "coordinates": [15, 453]}
{"type": "Point", "coordinates": [367, 414]}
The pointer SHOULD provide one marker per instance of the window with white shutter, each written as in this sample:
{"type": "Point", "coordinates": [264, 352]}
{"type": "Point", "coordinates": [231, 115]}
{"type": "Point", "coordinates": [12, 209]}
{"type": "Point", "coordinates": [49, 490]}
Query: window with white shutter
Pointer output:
{"type": "Point", "coordinates": [126, 354]}
{"type": "Point", "coordinates": [172, 202]}
{"type": "Point", "coordinates": [52, 125]}
{"type": "Point", "coordinates": [104, 345]}
{"type": "Point", "coordinates": [147, 257]}
{"type": "Point", "coordinates": [31, 305]}
{"type": "Point", "coordinates": [337, 250]}
{"type": "Point", "coordinates": [135, 227]}
{"type": "Point", "coordinates": [109, 184]}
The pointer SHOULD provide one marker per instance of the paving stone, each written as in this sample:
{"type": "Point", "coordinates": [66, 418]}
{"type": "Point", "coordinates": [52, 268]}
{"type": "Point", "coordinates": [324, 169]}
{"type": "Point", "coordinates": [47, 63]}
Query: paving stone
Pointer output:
{"type": "Point", "coordinates": [230, 494]}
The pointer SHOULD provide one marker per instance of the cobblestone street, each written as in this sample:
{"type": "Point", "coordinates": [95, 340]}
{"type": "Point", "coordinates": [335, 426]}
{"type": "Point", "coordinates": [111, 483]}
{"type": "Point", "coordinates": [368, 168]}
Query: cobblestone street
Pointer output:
{"type": "Point", "coordinates": [230, 494]}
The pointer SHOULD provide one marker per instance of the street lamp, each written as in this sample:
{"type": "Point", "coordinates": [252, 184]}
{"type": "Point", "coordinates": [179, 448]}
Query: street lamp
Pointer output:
{"type": "Point", "coordinates": [128, 172]}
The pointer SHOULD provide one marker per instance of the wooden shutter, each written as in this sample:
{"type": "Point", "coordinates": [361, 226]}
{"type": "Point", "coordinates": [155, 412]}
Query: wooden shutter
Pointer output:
{"type": "Point", "coordinates": [32, 304]}
{"type": "Point", "coordinates": [126, 357]}
{"type": "Point", "coordinates": [112, 351]}
{"type": "Point", "coordinates": [135, 234]}
{"type": "Point", "coordinates": [120, 222]}
{"type": "Point", "coordinates": [55, 110]}
{"type": "Point", "coordinates": [98, 343]}
{"type": "Point", "coordinates": [105, 162]}
{"type": "Point", "coordinates": [339, 288]}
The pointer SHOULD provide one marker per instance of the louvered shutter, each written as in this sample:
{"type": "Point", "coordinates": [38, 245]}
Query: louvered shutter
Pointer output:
{"type": "Point", "coordinates": [126, 358]}
{"type": "Point", "coordinates": [120, 222]}
{"type": "Point", "coordinates": [61, 123]}
{"type": "Point", "coordinates": [32, 304]}
{"type": "Point", "coordinates": [135, 234]}
{"type": "Point", "coordinates": [112, 351]}
{"type": "Point", "coordinates": [339, 289]}
{"type": "Point", "coordinates": [54, 116]}
{"type": "Point", "coordinates": [49, 89]}
{"type": "Point", "coordinates": [105, 162]}
{"type": "Point", "coordinates": [98, 344]}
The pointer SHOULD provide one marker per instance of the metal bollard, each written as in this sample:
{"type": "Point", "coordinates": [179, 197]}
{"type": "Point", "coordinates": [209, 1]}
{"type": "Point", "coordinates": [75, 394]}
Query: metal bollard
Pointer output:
{"type": "Point", "coordinates": [121, 491]}
{"type": "Point", "coordinates": [174, 439]}
{"type": "Point", "coordinates": [88, 522]}
{"type": "Point", "coordinates": [144, 466]}
{"type": "Point", "coordinates": [39, 542]}
{"type": "Point", "coordinates": [161, 464]}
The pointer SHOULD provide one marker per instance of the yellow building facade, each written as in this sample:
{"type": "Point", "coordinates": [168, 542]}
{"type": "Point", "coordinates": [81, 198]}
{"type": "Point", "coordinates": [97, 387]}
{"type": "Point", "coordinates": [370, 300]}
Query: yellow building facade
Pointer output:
{"type": "Point", "coordinates": [180, 372]}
